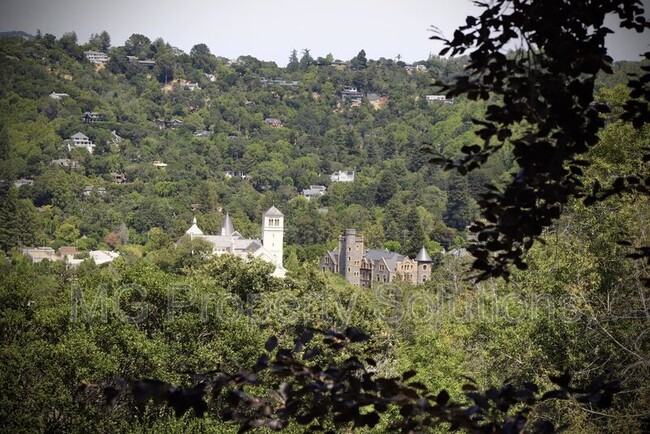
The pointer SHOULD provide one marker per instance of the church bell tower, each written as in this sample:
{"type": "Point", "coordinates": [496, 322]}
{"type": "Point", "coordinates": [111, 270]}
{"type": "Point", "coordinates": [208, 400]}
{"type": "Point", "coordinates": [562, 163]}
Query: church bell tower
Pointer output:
{"type": "Point", "coordinates": [273, 234]}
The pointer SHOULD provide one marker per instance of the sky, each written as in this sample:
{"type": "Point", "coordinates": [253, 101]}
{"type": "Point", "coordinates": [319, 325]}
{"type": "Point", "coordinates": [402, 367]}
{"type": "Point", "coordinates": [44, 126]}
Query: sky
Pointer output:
{"type": "Point", "coordinates": [270, 29]}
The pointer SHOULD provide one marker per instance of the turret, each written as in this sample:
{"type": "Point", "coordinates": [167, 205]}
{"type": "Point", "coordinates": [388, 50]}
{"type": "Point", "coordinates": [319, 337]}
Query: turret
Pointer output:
{"type": "Point", "coordinates": [350, 256]}
{"type": "Point", "coordinates": [227, 227]}
{"type": "Point", "coordinates": [424, 265]}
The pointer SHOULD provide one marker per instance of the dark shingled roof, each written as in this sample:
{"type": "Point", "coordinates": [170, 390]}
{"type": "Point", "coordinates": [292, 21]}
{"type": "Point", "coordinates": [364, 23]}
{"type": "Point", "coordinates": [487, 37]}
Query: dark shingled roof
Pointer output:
{"type": "Point", "coordinates": [391, 258]}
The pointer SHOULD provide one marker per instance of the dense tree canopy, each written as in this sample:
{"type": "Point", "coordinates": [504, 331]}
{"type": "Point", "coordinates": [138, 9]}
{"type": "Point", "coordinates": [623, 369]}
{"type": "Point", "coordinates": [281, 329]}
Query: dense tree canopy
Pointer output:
{"type": "Point", "coordinates": [76, 339]}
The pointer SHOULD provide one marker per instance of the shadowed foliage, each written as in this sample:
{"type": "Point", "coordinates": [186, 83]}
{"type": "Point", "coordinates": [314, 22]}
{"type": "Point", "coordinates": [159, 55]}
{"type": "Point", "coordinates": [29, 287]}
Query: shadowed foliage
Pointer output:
{"type": "Point", "coordinates": [307, 385]}
{"type": "Point", "coordinates": [542, 104]}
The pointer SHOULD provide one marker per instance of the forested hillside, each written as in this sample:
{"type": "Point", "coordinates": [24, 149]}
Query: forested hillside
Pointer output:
{"type": "Point", "coordinates": [163, 310]}
{"type": "Point", "coordinates": [321, 133]}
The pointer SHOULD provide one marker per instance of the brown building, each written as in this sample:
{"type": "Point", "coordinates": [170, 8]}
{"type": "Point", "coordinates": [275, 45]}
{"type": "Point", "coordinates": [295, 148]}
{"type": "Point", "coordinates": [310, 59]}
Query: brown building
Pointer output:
{"type": "Point", "coordinates": [368, 267]}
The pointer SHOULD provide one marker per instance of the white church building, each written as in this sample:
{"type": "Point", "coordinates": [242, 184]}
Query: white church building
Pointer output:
{"type": "Point", "coordinates": [229, 241]}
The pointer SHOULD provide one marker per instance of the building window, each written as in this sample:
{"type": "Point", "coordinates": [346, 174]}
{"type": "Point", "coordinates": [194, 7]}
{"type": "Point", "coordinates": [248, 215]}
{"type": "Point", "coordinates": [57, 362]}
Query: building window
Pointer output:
{"type": "Point", "coordinates": [424, 267]}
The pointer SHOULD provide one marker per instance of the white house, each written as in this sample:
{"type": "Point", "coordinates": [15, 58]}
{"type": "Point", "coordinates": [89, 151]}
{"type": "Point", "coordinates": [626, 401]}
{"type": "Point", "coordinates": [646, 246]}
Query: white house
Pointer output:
{"type": "Point", "coordinates": [438, 99]}
{"type": "Point", "coordinates": [96, 56]}
{"type": "Point", "coordinates": [81, 140]}
{"type": "Point", "coordinates": [58, 95]}
{"type": "Point", "coordinates": [342, 177]}
{"type": "Point", "coordinates": [229, 241]}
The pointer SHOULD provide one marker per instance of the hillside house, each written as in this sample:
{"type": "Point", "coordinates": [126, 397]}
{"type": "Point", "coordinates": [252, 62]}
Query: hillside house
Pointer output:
{"type": "Point", "coordinates": [342, 176]}
{"type": "Point", "coordinates": [38, 254]}
{"type": "Point", "coordinates": [89, 189]}
{"type": "Point", "coordinates": [274, 122]}
{"type": "Point", "coordinates": [22, 182]}
{"type": "Point", "coordinates": [352, 94]}
{"type": "Point", "coordinates": [438, 99]}
{"type": "Point", "coordinates": [191, 86]}
{"type": "Point", "coordinates": [314, 191]}
{"type": "Point", "coordinates": [96, 57]}
{"type": "Point", "coordinates": [231, 173]}
{"type": "Point", "coordinates": [58, 95]}
{"type": "Point", "coordinates": [90, 117]}
{"type": "Point", "coordinates": [80, 140]}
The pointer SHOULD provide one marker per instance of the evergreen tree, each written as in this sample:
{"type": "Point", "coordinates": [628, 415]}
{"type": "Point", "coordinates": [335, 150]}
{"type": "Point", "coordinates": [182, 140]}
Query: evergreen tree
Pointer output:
{"type": "Point", "coordinates": [461, 207]}
{"type": "Point", "coordinates": [294, 63]}
{"type": "Point", "coordinates": [18, 220]}
{"type": "Point", "coordinates": [359, 61]}
{"type": "Point", "coordinates": [416, 238]}
{"type": "Point", "coordinates": [386, 187]}
{"type": "Point", "coordinates": [306, 60]}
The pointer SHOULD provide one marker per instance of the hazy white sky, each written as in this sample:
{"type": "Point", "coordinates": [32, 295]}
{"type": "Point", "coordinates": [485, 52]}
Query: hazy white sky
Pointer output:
{"type": "Point", "coordinates": [269, 29]}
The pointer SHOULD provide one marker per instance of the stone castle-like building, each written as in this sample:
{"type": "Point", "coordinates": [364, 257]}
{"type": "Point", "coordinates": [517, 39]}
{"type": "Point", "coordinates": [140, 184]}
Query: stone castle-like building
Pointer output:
{"type": "Point", "coordinates": [368, 267]}
{"type": "Point", "coordinates": [229, 241]}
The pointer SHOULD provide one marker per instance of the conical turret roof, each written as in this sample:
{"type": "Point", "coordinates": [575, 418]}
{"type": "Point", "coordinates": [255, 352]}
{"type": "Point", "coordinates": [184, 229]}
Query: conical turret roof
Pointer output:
{"type": "Point", "coordinates": [423, 256]}
{"type": "Point", "coordinates": [227, 228]}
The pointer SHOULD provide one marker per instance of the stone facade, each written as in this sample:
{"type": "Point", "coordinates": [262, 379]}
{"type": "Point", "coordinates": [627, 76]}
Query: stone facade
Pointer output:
{"type": "Point", "coordinates": [369, 267]}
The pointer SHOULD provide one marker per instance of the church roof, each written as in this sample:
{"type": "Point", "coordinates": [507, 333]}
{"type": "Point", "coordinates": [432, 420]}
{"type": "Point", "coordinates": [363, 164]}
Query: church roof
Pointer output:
{"type": "Point", "coordinates": [423, 256]}
{"type": "Point", "coordinates": [273, 212]}
{"type": "Point", "coordinates": [194, 229]}
{"type": "Point", "coordinates": [227, 227]}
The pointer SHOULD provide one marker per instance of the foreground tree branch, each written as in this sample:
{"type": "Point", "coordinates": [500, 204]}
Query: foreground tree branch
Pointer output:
{"type": "Point", "coordinates": [307, 385]}
{"type": "Point", "coordinates": [546, 92]}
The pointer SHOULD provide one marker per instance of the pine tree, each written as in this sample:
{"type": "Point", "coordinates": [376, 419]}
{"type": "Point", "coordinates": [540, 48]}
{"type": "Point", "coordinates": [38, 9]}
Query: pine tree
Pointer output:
{"type": "Point", "coordinates": [417, 238]}
{"type": "Point", "coordinates": [461, 207]}
{"type": "Point", "coordinates": [19, 223]}
{"type": "Point", "coordinates": [294, 63]}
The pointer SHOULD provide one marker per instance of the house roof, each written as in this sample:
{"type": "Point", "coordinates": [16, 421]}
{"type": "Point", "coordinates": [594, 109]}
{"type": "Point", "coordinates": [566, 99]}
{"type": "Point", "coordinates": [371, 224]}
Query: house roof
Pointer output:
{"type": "Point", "coordinates": [423, 256]}
{"type": "Point", "coordinates": [273, 212]}
{"type": "Point", "coordinates": [102, 256]}
{"type": "Point", "coordinates": [67, 250]}
{"type": "Point", "coordinates": [79, 135]}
